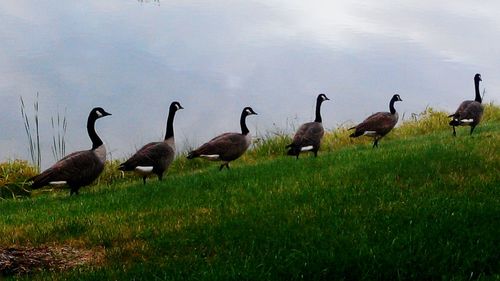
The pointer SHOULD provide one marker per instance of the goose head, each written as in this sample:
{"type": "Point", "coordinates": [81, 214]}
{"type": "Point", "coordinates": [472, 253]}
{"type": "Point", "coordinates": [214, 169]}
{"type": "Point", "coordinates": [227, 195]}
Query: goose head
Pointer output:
{"type": "Point", "coordinates": [248, 111]}
{"type": "Point", "coordinates": [396, 97]}
{"type": "Point", "coordinates": [477, 77]}
{"type": "Point", "coordinates": [98, 112]}
{"type": "Point", "coordinates": [174, 106]}
{"type": "Point", "coordinates": [322, 98]}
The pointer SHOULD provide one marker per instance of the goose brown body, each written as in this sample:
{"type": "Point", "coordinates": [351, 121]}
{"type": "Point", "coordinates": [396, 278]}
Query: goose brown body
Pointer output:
{"type": "Point", "coordinates": [155, 157]}
{"type": "Point", "coordinates": [308, 136]}
{"type": "Point", "coordinates": [378, 124]}
{"type": "Point", "coordinates": [228, 146]}
{"type": "Point", "coordinates": [469, 112]}
{"type": "Point", "coordinates": [79, 168]}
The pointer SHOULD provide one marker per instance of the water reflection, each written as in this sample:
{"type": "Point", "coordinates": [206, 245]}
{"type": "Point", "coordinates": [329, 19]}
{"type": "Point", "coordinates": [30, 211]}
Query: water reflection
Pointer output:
{"type": "Point", "coordinates": [216, 57]}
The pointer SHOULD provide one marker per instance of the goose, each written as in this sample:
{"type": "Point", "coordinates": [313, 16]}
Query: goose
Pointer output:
{"type": "Point", "coordinates": [469, 112]}
{"type": "Point", "coordinates": [308, 136]}
{"type": "Point", "coordinates": [155, 157]}
{"type": "Point", "coordinates": [79, 168]}
{"type": "Point", "coordinates": [228, 146]}
{"type": "Point", "coordinates": [378, 124]}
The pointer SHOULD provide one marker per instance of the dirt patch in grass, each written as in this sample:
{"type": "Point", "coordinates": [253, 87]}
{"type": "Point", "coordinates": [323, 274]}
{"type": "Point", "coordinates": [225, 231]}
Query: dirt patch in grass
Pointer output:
{"type": "Point", "coordinates": [25, 260]}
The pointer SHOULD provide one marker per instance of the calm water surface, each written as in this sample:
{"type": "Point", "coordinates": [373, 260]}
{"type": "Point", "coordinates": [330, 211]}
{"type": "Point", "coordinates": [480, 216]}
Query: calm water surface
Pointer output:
{"type": "Point", "coordinates": [134, 57]}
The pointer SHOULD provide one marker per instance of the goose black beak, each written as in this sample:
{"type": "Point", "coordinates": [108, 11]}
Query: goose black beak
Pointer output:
{"type": "Point", "coordinates": [106, 113]}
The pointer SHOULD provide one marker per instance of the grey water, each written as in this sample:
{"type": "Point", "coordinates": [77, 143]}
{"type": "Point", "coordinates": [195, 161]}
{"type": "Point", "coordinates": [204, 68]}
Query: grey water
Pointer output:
{"type": "Point", "coordinates": [134, 57]}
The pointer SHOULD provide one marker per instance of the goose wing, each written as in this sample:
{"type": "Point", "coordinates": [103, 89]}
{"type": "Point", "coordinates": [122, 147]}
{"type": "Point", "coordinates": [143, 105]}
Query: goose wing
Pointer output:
{"type": "Point", "coordinates": [156, 154]}
{"type": "Point", "coordinates": [308, 134]}
{"type": "Point", "coordinates": [228, 145]}
{"type": "Point", "coordinates": [469, 110]}
{"type": "Point", "coordinates": [461, 109]}
{"type": "Point", "coordinates": [81, 168]}
{"type": "Point", "coordinates": [380, 122]}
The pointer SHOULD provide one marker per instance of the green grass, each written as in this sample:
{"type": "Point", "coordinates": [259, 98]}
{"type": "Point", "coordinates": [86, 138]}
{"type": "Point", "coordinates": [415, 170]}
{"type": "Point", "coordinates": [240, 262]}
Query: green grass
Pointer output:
{"type": "Point", "coordinates": [424, 206]}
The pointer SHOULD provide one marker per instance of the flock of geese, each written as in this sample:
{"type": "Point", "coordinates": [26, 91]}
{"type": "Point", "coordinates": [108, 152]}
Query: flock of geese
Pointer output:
{"type": "Point", "coordinates": [81, 168]}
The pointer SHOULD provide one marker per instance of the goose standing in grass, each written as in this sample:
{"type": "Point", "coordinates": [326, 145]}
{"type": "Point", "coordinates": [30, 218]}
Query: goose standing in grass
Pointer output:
{"type": "Point", "coordinates": [228, 146]}
{"type": "Point", "coordinates": [308, 136]}
{"type": "Point", "coordinates": [378, 124]}
{"type": "Point", "coordinates": [469, 112]}
{"type": "Point", "coordinates": [79, 168]}
{"type": "Point", "coordinates": [155, 157]}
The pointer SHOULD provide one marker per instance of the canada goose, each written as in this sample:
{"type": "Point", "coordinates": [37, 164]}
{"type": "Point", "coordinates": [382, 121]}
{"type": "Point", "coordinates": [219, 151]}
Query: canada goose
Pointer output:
{"type": "Point", "coordinates": [228, 146]}
{"type": "Point", "coordinates": [378, 124]}
{"type": "Point", "coordinates": [155, 157]}
{"type": "Point", "coordinates": [308, 136]}
{"type": "Point", "coordinates": [469, 112]}
{"type": "Point", "coordinates": [79, 168]}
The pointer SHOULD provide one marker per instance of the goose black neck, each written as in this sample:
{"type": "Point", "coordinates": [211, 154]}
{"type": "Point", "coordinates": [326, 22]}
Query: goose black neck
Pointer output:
{"type": "Point", "coordinates": [243, 124]}
{"type": "Point", "coordinates": [478, 94]}
{"type": "Point", "coordinates": [170, 124]}
{"type": "Point", "coordinates": [318, 113]}
{"type": "Point", "coordinates": [391, 106]}
{"type": "Point", "coordinates": [96, 141]}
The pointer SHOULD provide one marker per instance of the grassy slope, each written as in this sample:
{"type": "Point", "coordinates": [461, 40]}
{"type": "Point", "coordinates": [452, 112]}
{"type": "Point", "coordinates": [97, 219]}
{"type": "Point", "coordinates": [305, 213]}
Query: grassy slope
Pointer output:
{"type": "Point", "coordinates": [422, 207]}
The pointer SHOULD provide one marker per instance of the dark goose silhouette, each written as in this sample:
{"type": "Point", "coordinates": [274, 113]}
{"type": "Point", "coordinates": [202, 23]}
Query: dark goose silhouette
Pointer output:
{"type": "Point", "coordinates": [470, 112]}
{"type": "Point", "coordinates": [228, 146]}
{"type": "Point", "coordinates": [308, 136]}
{"type": "Point", "coordinates": [155, 157]}
{"type": "Point", "coordinates": [79, 168]}
{"type": "Point", "coordinates": [378, 124]}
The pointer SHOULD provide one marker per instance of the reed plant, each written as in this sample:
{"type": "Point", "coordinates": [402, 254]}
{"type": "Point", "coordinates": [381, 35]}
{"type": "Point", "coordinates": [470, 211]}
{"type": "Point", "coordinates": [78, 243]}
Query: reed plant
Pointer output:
{"type": "Point", "coordinates": [32, 130]}
{"type": "Point", "coordinates": [59, 125]}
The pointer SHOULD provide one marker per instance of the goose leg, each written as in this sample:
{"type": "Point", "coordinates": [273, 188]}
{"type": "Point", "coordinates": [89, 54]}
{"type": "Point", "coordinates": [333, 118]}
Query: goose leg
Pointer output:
{"type": "Point", "coordinates": [160, 177]}
{"type": "Point", "coordinates": [315, 153]}
{"type": "Point", "coordinates": [74, 190]}
{"type": "Point", "coordinates": [454, 132]}
{"type": "Point", "coordinates": [375, 143]}
{"type": "Point", "coordinates": [472, 129]}
{"type": "Point", "coordinates": [144, 179]}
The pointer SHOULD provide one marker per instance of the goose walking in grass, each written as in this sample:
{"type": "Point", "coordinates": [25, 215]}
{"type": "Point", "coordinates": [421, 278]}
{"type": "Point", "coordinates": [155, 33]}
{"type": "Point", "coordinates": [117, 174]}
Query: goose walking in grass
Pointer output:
{"type": "Point", "coordinates": [155, 157]}
{"type": "Point", "coordinates": [80, 168]}
{"type": "Point", "coordinates": [378, 124]}
{"type": "Point", "coordinates": [308, 136]}
{"type": "Point", "coordinates": [469, 112]}
{"type": "Point", "coordinates": [228, 146]}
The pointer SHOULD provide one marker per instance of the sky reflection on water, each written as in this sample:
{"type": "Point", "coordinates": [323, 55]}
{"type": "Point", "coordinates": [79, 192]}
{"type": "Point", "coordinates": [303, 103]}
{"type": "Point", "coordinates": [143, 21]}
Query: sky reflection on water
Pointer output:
{"type": "Point", "coordinates": [134, 57]}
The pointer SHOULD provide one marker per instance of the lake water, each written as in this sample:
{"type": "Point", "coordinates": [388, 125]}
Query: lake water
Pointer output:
{"type": "Point", "coordinates": [134, 57]}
